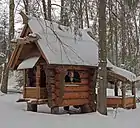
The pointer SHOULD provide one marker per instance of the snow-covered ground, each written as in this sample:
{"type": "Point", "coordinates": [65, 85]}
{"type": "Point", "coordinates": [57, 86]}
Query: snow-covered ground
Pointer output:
{"type": "Point", "coordinates": [14, 115]}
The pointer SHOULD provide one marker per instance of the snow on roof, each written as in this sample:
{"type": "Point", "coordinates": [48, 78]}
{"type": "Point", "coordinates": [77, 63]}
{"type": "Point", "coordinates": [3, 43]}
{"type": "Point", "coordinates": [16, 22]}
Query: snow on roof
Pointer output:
{"type": "Point", "coordinates": [137, 79]}
{"type": "Point", "coordinates": [125, 73]}
{"type": "Point", "coordinates": [28, 63]}
{"type": "Point", "coordinates": [60, 45]}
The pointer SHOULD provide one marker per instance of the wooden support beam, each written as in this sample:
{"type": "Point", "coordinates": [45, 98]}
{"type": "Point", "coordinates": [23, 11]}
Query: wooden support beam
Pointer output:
{"type": "Point", "coordinates": [25, 82]}
{"type": "Point", "coordinates": [123, 95]}
{"type": "Point", "coordinates": [27, 40]}
{"type": "Point", "coordinates": [54, 110]}
{"type": "Point", "coordinates": [116, 89]}
{"type": "Point", "coordinates": [38, 81]}
{"type": "Point", "coordinates": [62, 85]}
{"type": "Point", "coordinates": [17, 56]}
{"type": "Point", "coordinates": [49, 86]}
{"type": "Point", "coordinates": [134, 93]}
{"type": "Point", "coordinates": [32, 107]}
{"type": "Point", "coordinates": [24, 17]}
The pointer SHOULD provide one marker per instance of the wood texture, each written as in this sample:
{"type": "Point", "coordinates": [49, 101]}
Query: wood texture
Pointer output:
{"type": "Point", "coordinates": [72, 102]}
{"type": "Point", "coordinates": [31, 92]}
{"type": "Point", "coordinates": [74, 95]}
{"type": "Point", "coordinates": [117, 102]}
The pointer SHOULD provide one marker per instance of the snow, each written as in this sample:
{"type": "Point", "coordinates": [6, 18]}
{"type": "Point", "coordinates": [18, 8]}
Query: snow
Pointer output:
{"type": "Point", "coordinates": [14, 40]}
{"type": "Point", "coordinates": [14, 115]}
{"type": "Point", "coordinates": [33, 35]}
{"type": "Point", "coordinates": [125, 73]}
{"type": "Point", "coordinates": [137, 78]}
{"type": "Point", "coordinates": [12, 82]}
{"type": "Point", "coordinates": [28, 63]}
{"type": "Point", "coordinates": [60, 45]}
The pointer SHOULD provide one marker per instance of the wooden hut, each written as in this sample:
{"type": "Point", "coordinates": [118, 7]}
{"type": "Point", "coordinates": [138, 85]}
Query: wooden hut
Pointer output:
{"type": "Point", "coordinates": [121, 76]}
{"type": "Point", "coordinates": [59, 66]}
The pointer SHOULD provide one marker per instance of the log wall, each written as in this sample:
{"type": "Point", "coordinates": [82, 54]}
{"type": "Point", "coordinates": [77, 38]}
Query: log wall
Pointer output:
{"type": "Point", "coordinates": [70, 94]}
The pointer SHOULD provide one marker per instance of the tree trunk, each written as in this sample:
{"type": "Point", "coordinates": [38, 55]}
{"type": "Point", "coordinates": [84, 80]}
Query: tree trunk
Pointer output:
{"type": "Point", "coordinates": [49, 10]}
{"type": "Point", "coordinates": [26, 6]}
{"type": "Point", "coordinates": [101, 100]}
{"type": "Point", "coordinates": [116, 34]}
{"type": "Point", "coordinates": [62, 12]}
{"type": "Point", "coordinates": [123, 34]}
{"type": "Point", "coordinates": [44, 9]}
{"type": "Point", "coordinates": [81, 14]}
{"type": "Point", "coordinates": [110, 40]}
{"type": "Point", "coordinates": [86, 11]}
{"type": "Point", "coordinates": [11, 36]}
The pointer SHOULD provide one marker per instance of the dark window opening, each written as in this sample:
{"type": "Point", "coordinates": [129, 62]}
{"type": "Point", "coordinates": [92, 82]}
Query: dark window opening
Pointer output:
{"type": "Point", "coordinates": [72, 76]}
{"type": "Point", "coordinates": [42, 77]}
{"type": "Point", "coordinates": [31, 77]}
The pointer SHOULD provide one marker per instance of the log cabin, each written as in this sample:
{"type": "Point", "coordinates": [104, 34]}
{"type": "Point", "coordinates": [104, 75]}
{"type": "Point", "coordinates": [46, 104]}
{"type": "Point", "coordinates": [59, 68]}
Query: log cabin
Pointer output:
{"type": "Point", "coordinates": [59, 65]}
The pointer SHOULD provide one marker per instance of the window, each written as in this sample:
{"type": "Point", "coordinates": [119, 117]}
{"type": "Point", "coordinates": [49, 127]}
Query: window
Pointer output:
{"type": "Point", "coordinates": [72, 76]}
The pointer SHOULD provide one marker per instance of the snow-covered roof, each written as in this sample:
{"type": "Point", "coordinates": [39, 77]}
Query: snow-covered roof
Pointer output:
{"type": "Point", "coordinates": [28, 63]}
{"type": "Point", "coordinates": [60, 45]}
{"type": "Point", "coordinates": [137, 78]}
{"type": "Point", "coordinates": [122, 72]}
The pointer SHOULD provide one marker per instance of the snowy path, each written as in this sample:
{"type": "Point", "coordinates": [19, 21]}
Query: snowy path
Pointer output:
{"type": "Point", "coordinates": [12, 115]}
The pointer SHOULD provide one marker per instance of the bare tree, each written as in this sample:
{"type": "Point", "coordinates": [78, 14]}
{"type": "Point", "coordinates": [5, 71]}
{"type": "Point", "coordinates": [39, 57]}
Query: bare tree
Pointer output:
{"type": "Point", "coordinates": [11, 36]}
{"type": "Point", "coordinates": [102, 71]}
{"type": "Point", "coordinates": [44, 9]}
{"type": "Point", "coordinates": [49, 10]}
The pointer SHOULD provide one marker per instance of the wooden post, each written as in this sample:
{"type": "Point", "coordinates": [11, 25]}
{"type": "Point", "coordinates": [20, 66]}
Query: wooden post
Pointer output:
{"type": "Point", "coordinates": [62, 84]}
{"type": "Point", "coordinates": [116, 89]}
{"type": "Point", "coordinates": [54, 110]}
{"type": "Point", "coordinates": [134, 93]}
{"type": "Point", "coordinates": [93, 79]}
{"type": "Point", "coordinates": [48, 85]}
{"type": "Point", "coordinates": [38, 82]}
{"type": "Point", "coordinates": [25, 82]}
{"type": "Point", "coordinates": [32, 107]}
{"type": "Point", "coordinates": [123, 95]}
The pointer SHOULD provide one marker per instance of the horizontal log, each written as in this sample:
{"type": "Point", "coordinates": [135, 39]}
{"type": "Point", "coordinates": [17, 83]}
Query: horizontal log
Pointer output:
{"type": "Point", "coordinates": [39, 102]}
{"type": "Point", "coordinates": [82, 88]}
{"type": "Point", "coordinates": [72, 102]}
{"type": "Point", "coordinates": [74, 95]}
{"type": "Point", "coordinates": [59, 69]}
{"type": "Point", "coordinates": [30, 92]}
{"type": "Point", "coordinates": [83, 75]}
{"type": "Point", "coordinates": [51, 73]}
{"type": "Point", "coordinates": [51, 80]}
{"type": "Point", "coordinates": [83, 82]}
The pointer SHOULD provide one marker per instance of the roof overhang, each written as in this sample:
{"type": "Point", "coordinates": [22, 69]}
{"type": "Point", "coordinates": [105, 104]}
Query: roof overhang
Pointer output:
{"type": "Point", "coordinates": [28, 63]}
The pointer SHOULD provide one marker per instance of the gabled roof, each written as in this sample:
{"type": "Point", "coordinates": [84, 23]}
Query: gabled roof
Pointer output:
{"type": "Point", "coordinates": [60, 45]}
